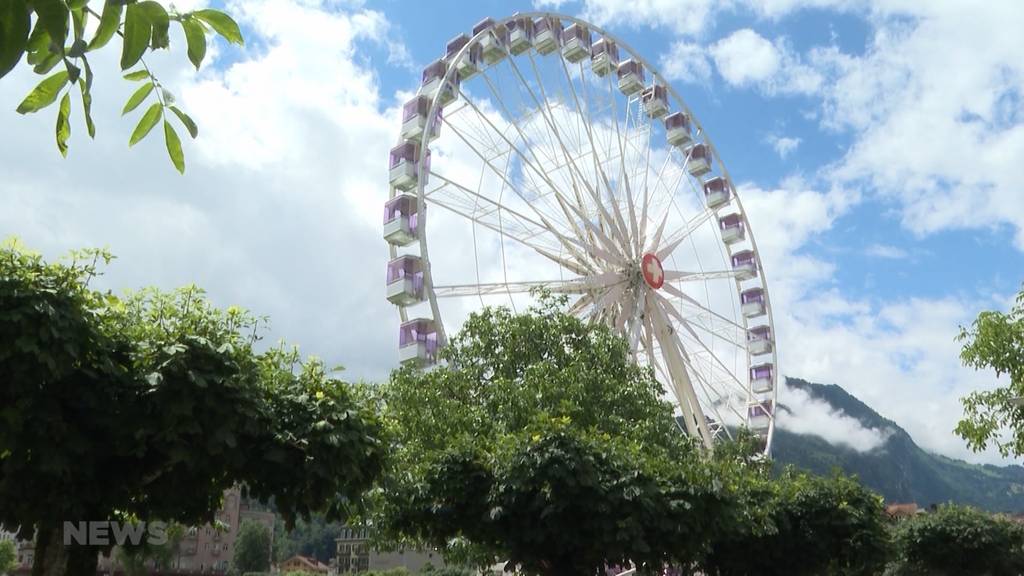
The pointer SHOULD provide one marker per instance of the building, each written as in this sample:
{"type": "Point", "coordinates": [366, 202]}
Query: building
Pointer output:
{"type": "Point", "coordinates": [24, 548]}
{"type": "Point", "coordinates": [355, 554]}
{"type": "Point", "coordinates": [303, 564]}
{"type": "Point", "coordinates": [210, 548]}
{"type": "Point", "coordinates": [901, 510]}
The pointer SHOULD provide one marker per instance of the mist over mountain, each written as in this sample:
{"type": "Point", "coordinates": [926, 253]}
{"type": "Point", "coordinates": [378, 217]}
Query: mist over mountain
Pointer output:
{"type": "Point", "coordinates": [858, 440]}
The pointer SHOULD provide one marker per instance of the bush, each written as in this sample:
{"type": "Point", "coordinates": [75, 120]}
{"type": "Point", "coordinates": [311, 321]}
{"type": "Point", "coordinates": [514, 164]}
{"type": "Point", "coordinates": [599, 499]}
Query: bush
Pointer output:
{"type": "Point", "coordinates": [958, 541]}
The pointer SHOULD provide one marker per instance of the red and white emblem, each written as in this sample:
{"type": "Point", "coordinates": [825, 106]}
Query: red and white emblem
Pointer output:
{"type": "Point", "coordinates": [654, 274]}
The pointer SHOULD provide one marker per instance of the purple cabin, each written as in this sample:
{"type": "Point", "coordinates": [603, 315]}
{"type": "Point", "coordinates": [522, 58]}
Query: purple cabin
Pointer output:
{"type": "Point", "coordinates": [677, 129]}
{"type": "Point", "coordinates": [434, 71]}
{"type": "Point", "coordinates": [761, 410]}
{"type": "Point", "coordinates": [732, 228]}
{"type": "Point", "coordinates": [405, 280]}
{"type": "Point", "coordinates": [604, 57]}
{"type": "Point", "coordinates": [414, 119]}
{"type": "Point", "coordinates": [744, 263]}
{"type": "Point", "coordinates": [417, 342]}
{"type": "Point", "coordinates": [401, 215]}
{"type": "Point", "coordinates": [716, 190]}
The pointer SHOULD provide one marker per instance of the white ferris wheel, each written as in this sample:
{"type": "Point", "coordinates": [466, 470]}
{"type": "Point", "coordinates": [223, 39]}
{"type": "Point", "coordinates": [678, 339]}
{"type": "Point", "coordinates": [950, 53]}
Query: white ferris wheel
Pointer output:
{"type": "Point", "coordinates": [550, 154]}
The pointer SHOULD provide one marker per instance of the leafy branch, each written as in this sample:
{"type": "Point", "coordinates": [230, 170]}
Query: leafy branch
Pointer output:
{"type": "Point", "coordinates": [57, 36]}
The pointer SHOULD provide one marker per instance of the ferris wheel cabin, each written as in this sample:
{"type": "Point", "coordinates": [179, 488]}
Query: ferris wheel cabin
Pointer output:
{"type": "Point", "coordinates": [405, 280]}
{"type": "Point", "coordinates": [760, 414]}
{"type": "Point", "coordinates": [433, 76]}
{"type": "Point", "coordinates": [677, 129]}
{"type": "Point", "coordinates": [655, 99]}
{"type": "Point", "coordinates": [761, 378]}
{"type": "Point", "coordinates": [402, 162]}
{"type": "Point", "coordinates": [576, 43]}
{"type": "Point", "coordinates": [520, 35]}
{"type": "Point", "coordinates": [401, 216]}
{"type": "Point", "coordinates": [417, 342]}
{"type": "Point", "coordinates": [716, 190]}
{"type": "Point", "coordinates": [604, 57]}
{"type": "Point", "coordinates": [414, 119]}
{"type": "Point", "coordinates": [752, 302]}
{"type": "Point", "coordinates": [698, 162]}
{"type": "Point", "coordinates": [493, 44]}
{"type": "Point", "coordinates": [759, 340]}
{"type": "Point", "coordinates": [732, 228]}
{"type": "Point", "coordinates": [547, 33]}
{"type": "Point", "coordinates": [631, 77]}
{"type": "Point", "coordinates": [469, 64]}
{"type": "Point", "coordinates": [744, 264]}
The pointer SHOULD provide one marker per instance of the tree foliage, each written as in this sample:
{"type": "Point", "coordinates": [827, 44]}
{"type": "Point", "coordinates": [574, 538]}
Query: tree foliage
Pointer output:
{"type": "Point", "coordinates": [8, 556]}
{"type": "Point", "coordinates": [53, 33]}
{"type": "Point", "coordinates": [995, 341]}
{"type": "Point", "coordinates": [151, 405]}
{"type": "Point", "coordinates": [960, 541]}
{"type": "Point", "coordinates": [803, 525]}
{"type": "Point", "coordinates": [252, 548]}
{"type": "Point", "coordinates": [540, 442]}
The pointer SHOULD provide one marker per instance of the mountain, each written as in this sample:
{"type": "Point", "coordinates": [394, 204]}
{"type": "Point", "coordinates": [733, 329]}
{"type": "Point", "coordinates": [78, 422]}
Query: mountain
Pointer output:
{"type": "Point", "coordinates": [898, 469]}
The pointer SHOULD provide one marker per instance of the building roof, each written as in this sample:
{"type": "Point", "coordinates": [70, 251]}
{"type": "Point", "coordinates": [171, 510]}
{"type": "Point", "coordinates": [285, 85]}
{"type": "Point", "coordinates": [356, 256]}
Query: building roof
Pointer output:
{"type": "Point", "coordinates": [306, 563]}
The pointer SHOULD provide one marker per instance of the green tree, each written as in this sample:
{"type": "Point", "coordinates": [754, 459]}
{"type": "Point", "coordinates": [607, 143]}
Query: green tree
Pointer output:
{"type": "Point", "coordinates": [8, 556]}
{"type": "Point", "coordinates": [252, 548]}
{"type": "Point", "coordinates": [137, 559]}
{"type": "Point", "coordinates": [995, 341]}
{"type": "Point", "coordinates": [150, 406]}
{"type": "Point", "coordinates": [960, 541]}
{"type": "Point", "coordinates": [803, 525]}
{"type": "Point", "coordinates": [53, 33]}
{"type": "Point", "coordinates": [542, 443]}
{"type": "Point", "coordinates": [314, 537]}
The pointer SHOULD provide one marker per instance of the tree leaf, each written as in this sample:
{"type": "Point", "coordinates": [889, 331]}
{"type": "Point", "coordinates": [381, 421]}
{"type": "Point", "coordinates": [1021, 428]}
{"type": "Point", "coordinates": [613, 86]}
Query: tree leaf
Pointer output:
{"type": "Point", "coordinates": [222, 24]}
{"type": "Point", "coordinates": [146, 124]}
{"type": "Point", "coordinates": [137, 31]}
{"type": "Point", "coordinates": [193, 130]}
{"type": "Point", "coordinates": [44, 94]}
{"type": "Point", "coordinates": [137, 75]}
{"type": "Point", "coordinates": [195, 36]}
{"type": "Point", "coordinates": [14, 28]}
{"type": "Point", "coordinates": [109, 22]}
{"type": "Point", "coordinates": [53, 15]}
{"type": "Point", "coordinates": [137, 98]}
{"type": "Point", "coordinates": [174, 147]}
{"type": "Point", "coordinates": [87, 105]}
{"type": "Point", "coordinates": [38, 46]}
{"type": "Point", "coordinates": [159, 21]}
{"type": "Point", "coordinates": [63, 126]}
{"type": "Point", "coordinates": [48, 62]}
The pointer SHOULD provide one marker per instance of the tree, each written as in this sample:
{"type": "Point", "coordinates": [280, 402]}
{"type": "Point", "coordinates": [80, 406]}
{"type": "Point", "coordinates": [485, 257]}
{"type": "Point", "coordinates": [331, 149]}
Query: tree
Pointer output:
{"type": "Point", "coordinates": [995, 341]}
{"type": "Point", "coordinates": [151, 405]}
{"type": "Point", "coordinates": [314, 537]}
{"type": "Point", "coordinates": [815, 526]}
{"type": "Point", "coordinates": [52, 33]}
{"type": "Point", "coordinates": [542, 443]}
{"type": "Point", "coordinates": [252, 548]}
{"type": "Point", "coordinates": [137, 559]}
{"type": "Point", "coordinates": [8, 556]}
{"type": "Point", "coordinates": [961, 541]}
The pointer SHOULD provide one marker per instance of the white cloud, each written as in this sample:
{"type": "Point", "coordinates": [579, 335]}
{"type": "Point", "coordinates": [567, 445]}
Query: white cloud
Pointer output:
{"type": "Point", "coordinates": [747, 59]}
{"type": "Point", "coordinates": [809, 415]}
{"type": "Point", "coordinates": [886, 251]}
{"type": "Point", "coordinates": [686, 62]}
{"type": "Point", "coordinates": [280, 208]}
{"type": "Point", "coordinates": [935, 107]}
{"type": "Point", "coordinates": [783, 145]}
{"type": "Point", "coordinates": [688, 17]}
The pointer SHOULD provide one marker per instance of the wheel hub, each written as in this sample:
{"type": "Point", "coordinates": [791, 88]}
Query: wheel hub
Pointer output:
{"type": "Point", "coordinates": [652, 270]}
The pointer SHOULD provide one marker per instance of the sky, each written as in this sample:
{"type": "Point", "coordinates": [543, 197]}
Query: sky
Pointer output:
{"type": "Point", "coordinates": [876, 144]}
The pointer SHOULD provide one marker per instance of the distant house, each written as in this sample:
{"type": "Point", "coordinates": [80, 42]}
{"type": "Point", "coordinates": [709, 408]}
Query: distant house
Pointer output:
{"type": "Point", "coordinates": [902, 510]}
{"type": "Point", "coordinates": [355, 554]}
{"type": "Point", "coordinates": [303, 564]}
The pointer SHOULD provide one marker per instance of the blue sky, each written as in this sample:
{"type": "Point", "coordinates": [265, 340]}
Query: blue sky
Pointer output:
{"type": "Point", "coordinates": [876, 144]}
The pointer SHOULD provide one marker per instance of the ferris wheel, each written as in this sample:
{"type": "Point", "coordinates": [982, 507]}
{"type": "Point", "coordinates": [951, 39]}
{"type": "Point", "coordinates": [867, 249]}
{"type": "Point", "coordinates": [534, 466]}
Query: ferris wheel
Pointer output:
{"type": "Point", "coordinates": [549, 154]}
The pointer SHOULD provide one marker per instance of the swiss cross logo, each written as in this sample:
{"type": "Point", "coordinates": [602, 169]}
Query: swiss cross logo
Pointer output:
{"type": "Point", "coordinates": [654, 274]}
